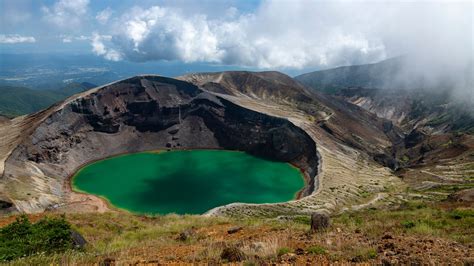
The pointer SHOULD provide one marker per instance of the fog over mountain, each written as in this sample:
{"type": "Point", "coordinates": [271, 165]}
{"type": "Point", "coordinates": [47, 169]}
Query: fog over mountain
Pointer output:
{"type": "Point", "coordinates": [303, 34]}
{"type": "Point", "coordinates": [399, 73]}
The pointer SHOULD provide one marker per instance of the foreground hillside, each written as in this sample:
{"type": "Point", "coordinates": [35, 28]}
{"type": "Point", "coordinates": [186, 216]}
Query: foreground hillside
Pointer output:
{"type": "Point", "coordinates": [414, 232]}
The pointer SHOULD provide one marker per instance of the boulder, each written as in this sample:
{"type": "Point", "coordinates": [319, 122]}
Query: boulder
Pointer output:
{"type": "Point", "coordinates": [186, 234]}
{"type": "Point", "coordinates": [257, 246]}
{"type": "Point", "coordinates": [234, 230]}
{"type": "Point", "coordinates": [232, 254]}
{"type": "Point", "coordinates": [319, 222]}
{"type": "Point", "coordinates": [77, 239]}
{"type": "Point", "coordinates": [466, 195]}
{"type": "Point", "coordinates": [107, 262]}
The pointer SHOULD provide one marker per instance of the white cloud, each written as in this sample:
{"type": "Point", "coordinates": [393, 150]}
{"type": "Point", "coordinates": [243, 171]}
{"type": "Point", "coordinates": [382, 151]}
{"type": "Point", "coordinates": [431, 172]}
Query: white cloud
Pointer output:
{"type": "Point", "coordinates": [163, 33]}
{"type": "Point", "coordinates": [104, 15]}
{"type": "Point", "coordinates": [244, 39]}
{"type": "Point", "coordinates": [295, 34]}
{"type": "Point", "coordinates": [99, 48]}
{"type": "Point", "coordinates": [15, 38]}
{"type": "Point", "coordinates": [71, 38]}
{"type": "Point", "coordinates": [66, 14]}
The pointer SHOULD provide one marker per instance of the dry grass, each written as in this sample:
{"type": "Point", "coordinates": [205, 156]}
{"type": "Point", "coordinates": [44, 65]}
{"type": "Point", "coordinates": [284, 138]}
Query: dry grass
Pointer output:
{"type": "Point", "coordinates": [354, 237]}
{"type": "Point", "coordinates": [413, 218]}
{"type": "Point", "coordinates": [266, 248]}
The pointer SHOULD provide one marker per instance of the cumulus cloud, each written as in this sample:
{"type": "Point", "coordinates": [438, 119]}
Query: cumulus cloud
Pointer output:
{"type": "Point", "coordinates": [247, 39]}
{"type": "Point", "coordinates": [104, 15]}
{"type": "Point", "coordinates": [66, 14]}
{"type": "Point", "coordinates": [164, 33]}
{"type": "Point", "coordinates": [436, 37]}
{"type": "Point", "coordinates": [15, 38]}
{"type": "Point", "coordinates": [296, 34]}
{"type": "Point", "coordinates": [99, 48]}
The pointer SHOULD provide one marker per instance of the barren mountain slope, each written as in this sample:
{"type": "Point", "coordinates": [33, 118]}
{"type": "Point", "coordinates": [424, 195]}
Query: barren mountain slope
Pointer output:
{"type": "Point", "coordinates": [152, 112]}
{"type": "Point", "coordinates": [434, 112]}
{"type": "Point", "coordinates": [436, 149]}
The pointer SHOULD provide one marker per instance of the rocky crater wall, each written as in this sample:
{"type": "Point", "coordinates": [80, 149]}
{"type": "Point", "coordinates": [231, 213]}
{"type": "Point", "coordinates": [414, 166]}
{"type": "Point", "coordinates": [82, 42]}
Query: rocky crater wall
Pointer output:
{"type": "Point", "coordinates": [139, 114]}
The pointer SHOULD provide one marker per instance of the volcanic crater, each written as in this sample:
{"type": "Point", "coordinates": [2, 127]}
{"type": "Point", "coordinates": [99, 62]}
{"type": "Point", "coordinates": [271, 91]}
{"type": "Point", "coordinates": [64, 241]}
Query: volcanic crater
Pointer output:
{"type": "Point", "coordinates": [139, 114]}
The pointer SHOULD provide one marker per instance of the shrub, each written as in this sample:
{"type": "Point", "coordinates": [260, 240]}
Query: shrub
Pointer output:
{"type": "Point", "coordinates": [459, 214]}
{"type": "Point", "coordinates": [408, 224]}
{"type": "Point", "coordinates": [232, 254]}
{"type": "Point", "coordinates": [316, 250]}
{"type": "Point", "coordinates": [22, 238]}
{"type": "Point", "coordinates": [364, 254]}
{"type": "Point", "coordinates": [371, 254]}
{"type": "Point", "coordinates": [284, 250]}
{"type": "Point", "coordinates": [302, 219]}
{"type": "Point", "coordinates": [424, 229]}
{"type": "Point", "coordinates": [405, 159]}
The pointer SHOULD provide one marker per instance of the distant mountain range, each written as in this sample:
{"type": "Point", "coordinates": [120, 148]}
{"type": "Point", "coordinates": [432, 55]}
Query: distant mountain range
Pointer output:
{"type": "Point", "coordinates": [394, 73]}
{"type": "Point", "coordinates": [377, 75]}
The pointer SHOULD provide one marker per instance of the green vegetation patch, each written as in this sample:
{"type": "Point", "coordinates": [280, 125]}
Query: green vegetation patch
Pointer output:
{"type": "Point", "coordinates": [16, 101]}
{"type": "Point", "coordinates": [284, 250]}
{"type": "Point", "coordinates": [317, 250]}
{"type": "Point", "coordinates": [23, 238]}
{"type": "Point", "coordinates": [364, 254]}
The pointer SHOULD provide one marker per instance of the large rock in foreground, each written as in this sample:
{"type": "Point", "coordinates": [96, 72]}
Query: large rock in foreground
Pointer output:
{"type": "Point", "coordinates": [319, 222]}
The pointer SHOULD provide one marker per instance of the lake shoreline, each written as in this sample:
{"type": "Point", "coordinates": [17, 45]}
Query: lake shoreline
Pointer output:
{"type": "Point", "coordinates": [74, 189]}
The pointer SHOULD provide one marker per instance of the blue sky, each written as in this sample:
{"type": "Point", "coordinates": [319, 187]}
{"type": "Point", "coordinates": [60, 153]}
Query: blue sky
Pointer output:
{"type": "Point", "coordinates": [27, 18]}
{"type": "Point", "coordinates": [267, 34]}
